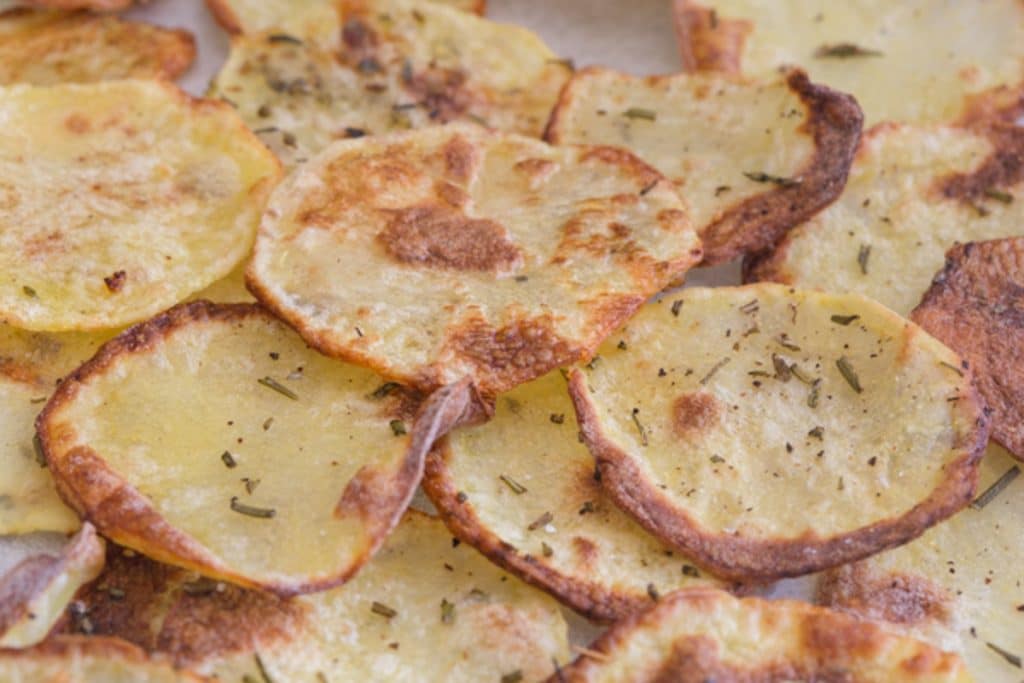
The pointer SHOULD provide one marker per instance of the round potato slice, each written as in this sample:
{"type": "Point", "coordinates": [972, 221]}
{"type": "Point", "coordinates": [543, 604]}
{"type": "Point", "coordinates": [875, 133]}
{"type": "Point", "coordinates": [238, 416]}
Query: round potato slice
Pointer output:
{"type": "Point", "coordinates": [158, 196]}
{"type": "Point", "coordinates": [78, 659]}
{"type": "Point", "coordinates": [212, 438]}
{"type": "Point", "coordinates": [467, 252]}
{"type": "Point", "coordinates": [708, 635]}
{"type": "Point", "coordinates": [522, 490]}
{"type": "Point", "coordinates": [959, 585]}
{"type": "Point", "coordinates": [254, 16]}
{"type": "Point", "coordinates": [751, 159]}
{"type": "Point", "coordinates": [912, 194]}
{"type": "Point", "coordinates": [770, 432]}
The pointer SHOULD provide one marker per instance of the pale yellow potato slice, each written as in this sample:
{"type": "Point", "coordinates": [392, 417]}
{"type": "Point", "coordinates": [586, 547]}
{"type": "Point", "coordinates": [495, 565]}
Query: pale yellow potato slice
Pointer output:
{"type": "Point", "coordinates": [46, 48]}
{"type": "Point", "coordinates": [750, 159]}
{"type": "Point", "coordinates": [912, 194]}
{"type": "Point", "coordinates": [708, 635]}
{"type": "Point", "coordinates": [522, 490]}
{"type": "Point", "coordinates": [120, 199]}
{"type": "Point", "coordinates": [213, 438]}
{"type": "Point", "coordinates": [35, 593]}
{"type": "Point", "coordinates": [467, 253]}
{"type": "Point", "coordinates": [914, 61]}
{"type": "Point", "coordinates": [773, 432]}
{"type": "Point", "coordinates": [375, 66]}
{"type": "Point", "coordinates": [959, 585]}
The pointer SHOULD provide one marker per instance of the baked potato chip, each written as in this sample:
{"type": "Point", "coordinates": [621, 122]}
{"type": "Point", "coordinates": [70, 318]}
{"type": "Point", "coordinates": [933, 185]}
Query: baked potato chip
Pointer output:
{"type": "Point", "coordinates": [425, 609]}
{"type": "Point", "coordinates": [212, 438]}
{"type": "Point", "coordinates": [157, 196]}
{"type": "Point", "coordinates": [912, 194]}
{"type": "Point", "coordinates": [770, 432]}
{"type": "Point", "coordinates": [958, 586]}
{"type": "Point", "coordinates": [521, 489]}
{"type": "Point", "coordinates": [976, 307]}
{"type": "Point", "coordinates": [751, 160]}
{"type": "Point", "coordinates": [703, 634]}
{"type": "Point", "coordinates": [46, 48]}
{"type": "Point", "coordinates": [78, 659]}
{"type": "Point", "coordinates": [467, 252]}
{"type": "Point", "coordinates": [914, 61]}
{"type": "Point", "coordinates": [377, 66]}
{"type": "Point", "coordinates": [34, 594]}
{"type": "Point", "coordinates": [70, 5]}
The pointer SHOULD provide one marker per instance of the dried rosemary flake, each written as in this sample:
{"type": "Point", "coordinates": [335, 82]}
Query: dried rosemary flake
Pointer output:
{"type": "Point", "coordinates": [844, 320]}
{"type": "Point", "coordinates": [383, 610]}
{"type": "Point", "coordinates": [547, 550]}
{"type": "Point", "coordinates": [800, 374]}
{"type": "Point", "coordinates": [514, 677]}
{"type": "Point", "coordinates": [262, 669]}
{"type": "Point", "coordinates": [37, 448]}
{"type": "Point", "coordinates": [677, 306]}
{"type": "Point", "coordinates": [761, 177]}
{"type": "Point", "coordinates": [691, 571]}
{"type": "Point", "coordinates": [814, 395]}
{"type": "Point", "coordinates": [271, 383]}
{"type": "Point", "coordinates": [639, 113]}
{"type": "Point", "coordinates": [845, 51]}
{"type": "Point", "coordinates": [652, 592]}
{"type": "Point", "coordinates": [558, 418]}
{"type": "Point", "coordinates": [384, 390]}
{"type": "Point", "coordinates": [447, 612]}
{"type": "Point", "coordinates": [283, 38]}
{"type": "Point", "coordinates": [849, 374]}
{"type": "Point", "coordinates": [29, 291]}
{"type": "Point", "coordinates": [751, 306]}
{"type": "Point", "coordinates": [952, 367]}
{"type": "Point", "coordinates": [266, 423]}
{"type": "Point", "coordinates": [229, 460]}
{"type": "Point", "coordinates": [397, 427]}
{"type": "Point", "coordinates": [252, 511]}
{"type": "Point", "coordinates": [516, 487]}
{"type": "Point", "coordinates": [785, 342]}
{"type": "Point", "coordinates": [783, 371]}
{"type": "Point", "coordinates": [996, 488]}
{"type": "Point", "coordinates": [541, 521]}
{"type": "Point", "coordinates": [639, 426]}
{"type": "Point", "coordinates": [817, 433]}
{"type": "Point", "coordinates": [622, 345]}
{"type": "Point", "coordinates": [1011, 658]}
{"type": "Point", "coordinates": [711, 373]}
{"type": "Point", "coordinates": [863, 255]}
{"type": "Point", "coordinates": [999, 195]}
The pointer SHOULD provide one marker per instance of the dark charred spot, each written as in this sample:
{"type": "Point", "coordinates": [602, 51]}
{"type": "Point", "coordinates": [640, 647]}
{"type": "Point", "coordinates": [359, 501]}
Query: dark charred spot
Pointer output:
{"type": "Point", "coordinates": [442, 238]}
{"type": "Point", "coordinates": [358, 36]}
{"type": "Point", "coordinates": [896, 598]}
{"type": "Point", "coordinates": [77, 124]}
{"type": "Point", "coordinates": [693, 414]}
{"type": "Point", "coordinates": [116, 281]}
{"type": "Point", "coordinates": [441, 92]}
{"type": "Point", "coordinates": [460, 158]}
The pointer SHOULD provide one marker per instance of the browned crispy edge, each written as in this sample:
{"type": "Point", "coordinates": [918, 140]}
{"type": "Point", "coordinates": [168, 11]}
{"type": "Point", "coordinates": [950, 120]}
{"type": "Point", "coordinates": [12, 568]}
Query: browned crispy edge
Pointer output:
{"type": "Point", "coordinates": [967, 308]}
{"type": "Point", "coordinates": [67, 648]}
{"type": "Point", "coordinates": [708, 42]}
{"type": "Point", "coordinates": [832, 639]}
{"type": "Point", "coordinates": [230, 21]}
{"type": "Point", "coordinates": [834, 121]}
{"type": "Point", "coordinates": [98, 493]}
{"type": "Point", "coordinates": [93, 5]}
{"type": "Point", "coordinates": [749, 559]}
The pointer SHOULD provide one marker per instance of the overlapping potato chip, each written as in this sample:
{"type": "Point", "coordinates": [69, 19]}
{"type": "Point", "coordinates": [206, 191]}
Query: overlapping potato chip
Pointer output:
{"type": "Point", "coordinates": [120, 199]}
{"type": "Point", "coordinates": [771, 432]}
{"type": "Point", "coordinates": [522, 490]}
{"type": "Point", "coordinates": [78, 659]}
{"type": "Point", "coordinates": [46, 48]}
{"type": "Point", "coordinates": [914, 61]}
{"type": "Point", "coordinates": [959, 585]}
{"type": "Point", "coordinates": [386, 65]}
{"type": "Point", "coordinates": [912, 194]}
{"type": "Point", "coordinates": [708, 635]}
{"type": "Point", "coordinates": [212, 438]}
{"type": "Point", "coordinates": [425, 609]}
{"type": "Point", "coordinates": [34, 593]}
{"type": "Point", "coordinates": [454, 251]}
{"type": "Point", "coordinates": [976, 306]}
{"type": "Point", "coordinates": [94, 5]}
{"type": "Point", "coordinates": [751, 160]}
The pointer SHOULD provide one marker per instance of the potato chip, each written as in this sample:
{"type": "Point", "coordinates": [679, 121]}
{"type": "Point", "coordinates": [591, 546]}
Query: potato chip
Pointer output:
{"type": "Point", "coordinates": [467, 253]}
{"type": "Point", "coordinates": [387, 65]}
{"type": "Point", "coordinates": [958, 586]}
{"type": "Point", "coordinates": [212, 438]}
{"type": "Point", "coordinates": [521, 489]}
{"type": "Point", "coordinates": [47, 48]}
{"type": "Point", "coordinates": [912, 194]}
{"type": "Point", "coordinates": [34, 594]}
{"type": "Point", "coordinates": [914, 61]}
{"type": "Point", "coordinates": [94, 5]}
{"type": "Point", "coordinates": [771, 432]}
{"type": "Point", "coordinates": [751, 160]}
{"type": "Point", "coordinates": [77, 659]}
{"type": "Point", "coordinates": [708, 635]}
{"type": "Point", "coordinates": [120, 199]}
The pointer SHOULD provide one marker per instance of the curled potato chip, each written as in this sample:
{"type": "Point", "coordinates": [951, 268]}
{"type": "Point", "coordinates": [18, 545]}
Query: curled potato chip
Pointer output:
{"type": "Point", "coordinates": [912, 194]}
{"type": "Point", "coordinates": [958, 586]}
{"type": "Point", "coordinates": [79, 659]}
{"type": "Point", "coordinates": [212, 438]}
{"type": "Point", "coordinates": [705, 634]}
{"type": "Point", "coordinates": [46, 48]}
{"type": "Point", "coordinates": [467, 252]}
{"type": "Point", "coordinates": [877, 50]}
{"type": "Point", "coordinates": [68, 5]}
{"type": "Point", "coordinates": [750, 159]}
{"type": "Point", "coordinates": [160, 196]}
{"type": "Point", "coordinates": [368, 68]}
{"type": "Point", "coordinates": [34, 594]}
{"type": "Point", "coordinates": [522, 490]}
{"type": "Point", "coordinates": [770, 432]}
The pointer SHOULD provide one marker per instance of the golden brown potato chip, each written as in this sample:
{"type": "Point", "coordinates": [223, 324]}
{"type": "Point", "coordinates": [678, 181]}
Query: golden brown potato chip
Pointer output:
{"type": "Point", "coordinates": [912, 194]}
{"type": "Point", "coordinates": [387, 65]}
{"type": "Point", "coordinates": [959, 585]}
{"type": "Point", "coordinates": [751, 160]}
{"type": "Point", "coordinates": [120, 199]}
{"type": "Point", "coordinates": [522, 490]}
{"type": "Point", "coordinates": [34, 594]}
{"type": "Point", "coordinates": [211, 437]}
{"type": "Point", "coordinates": [46, 48]}
{"type": "Point", "coordinates": [771, 432]}
{"type": "Point", "coordinates": [914, 61]}
{"type": "Point", "coordinates": [708, 635]}
{"type": "Point", "coordinates": [77, 659]}
{"type": "Point", "coordinates": [454, 251]}
{"type": "Point", "coordinates": [68, 5]}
